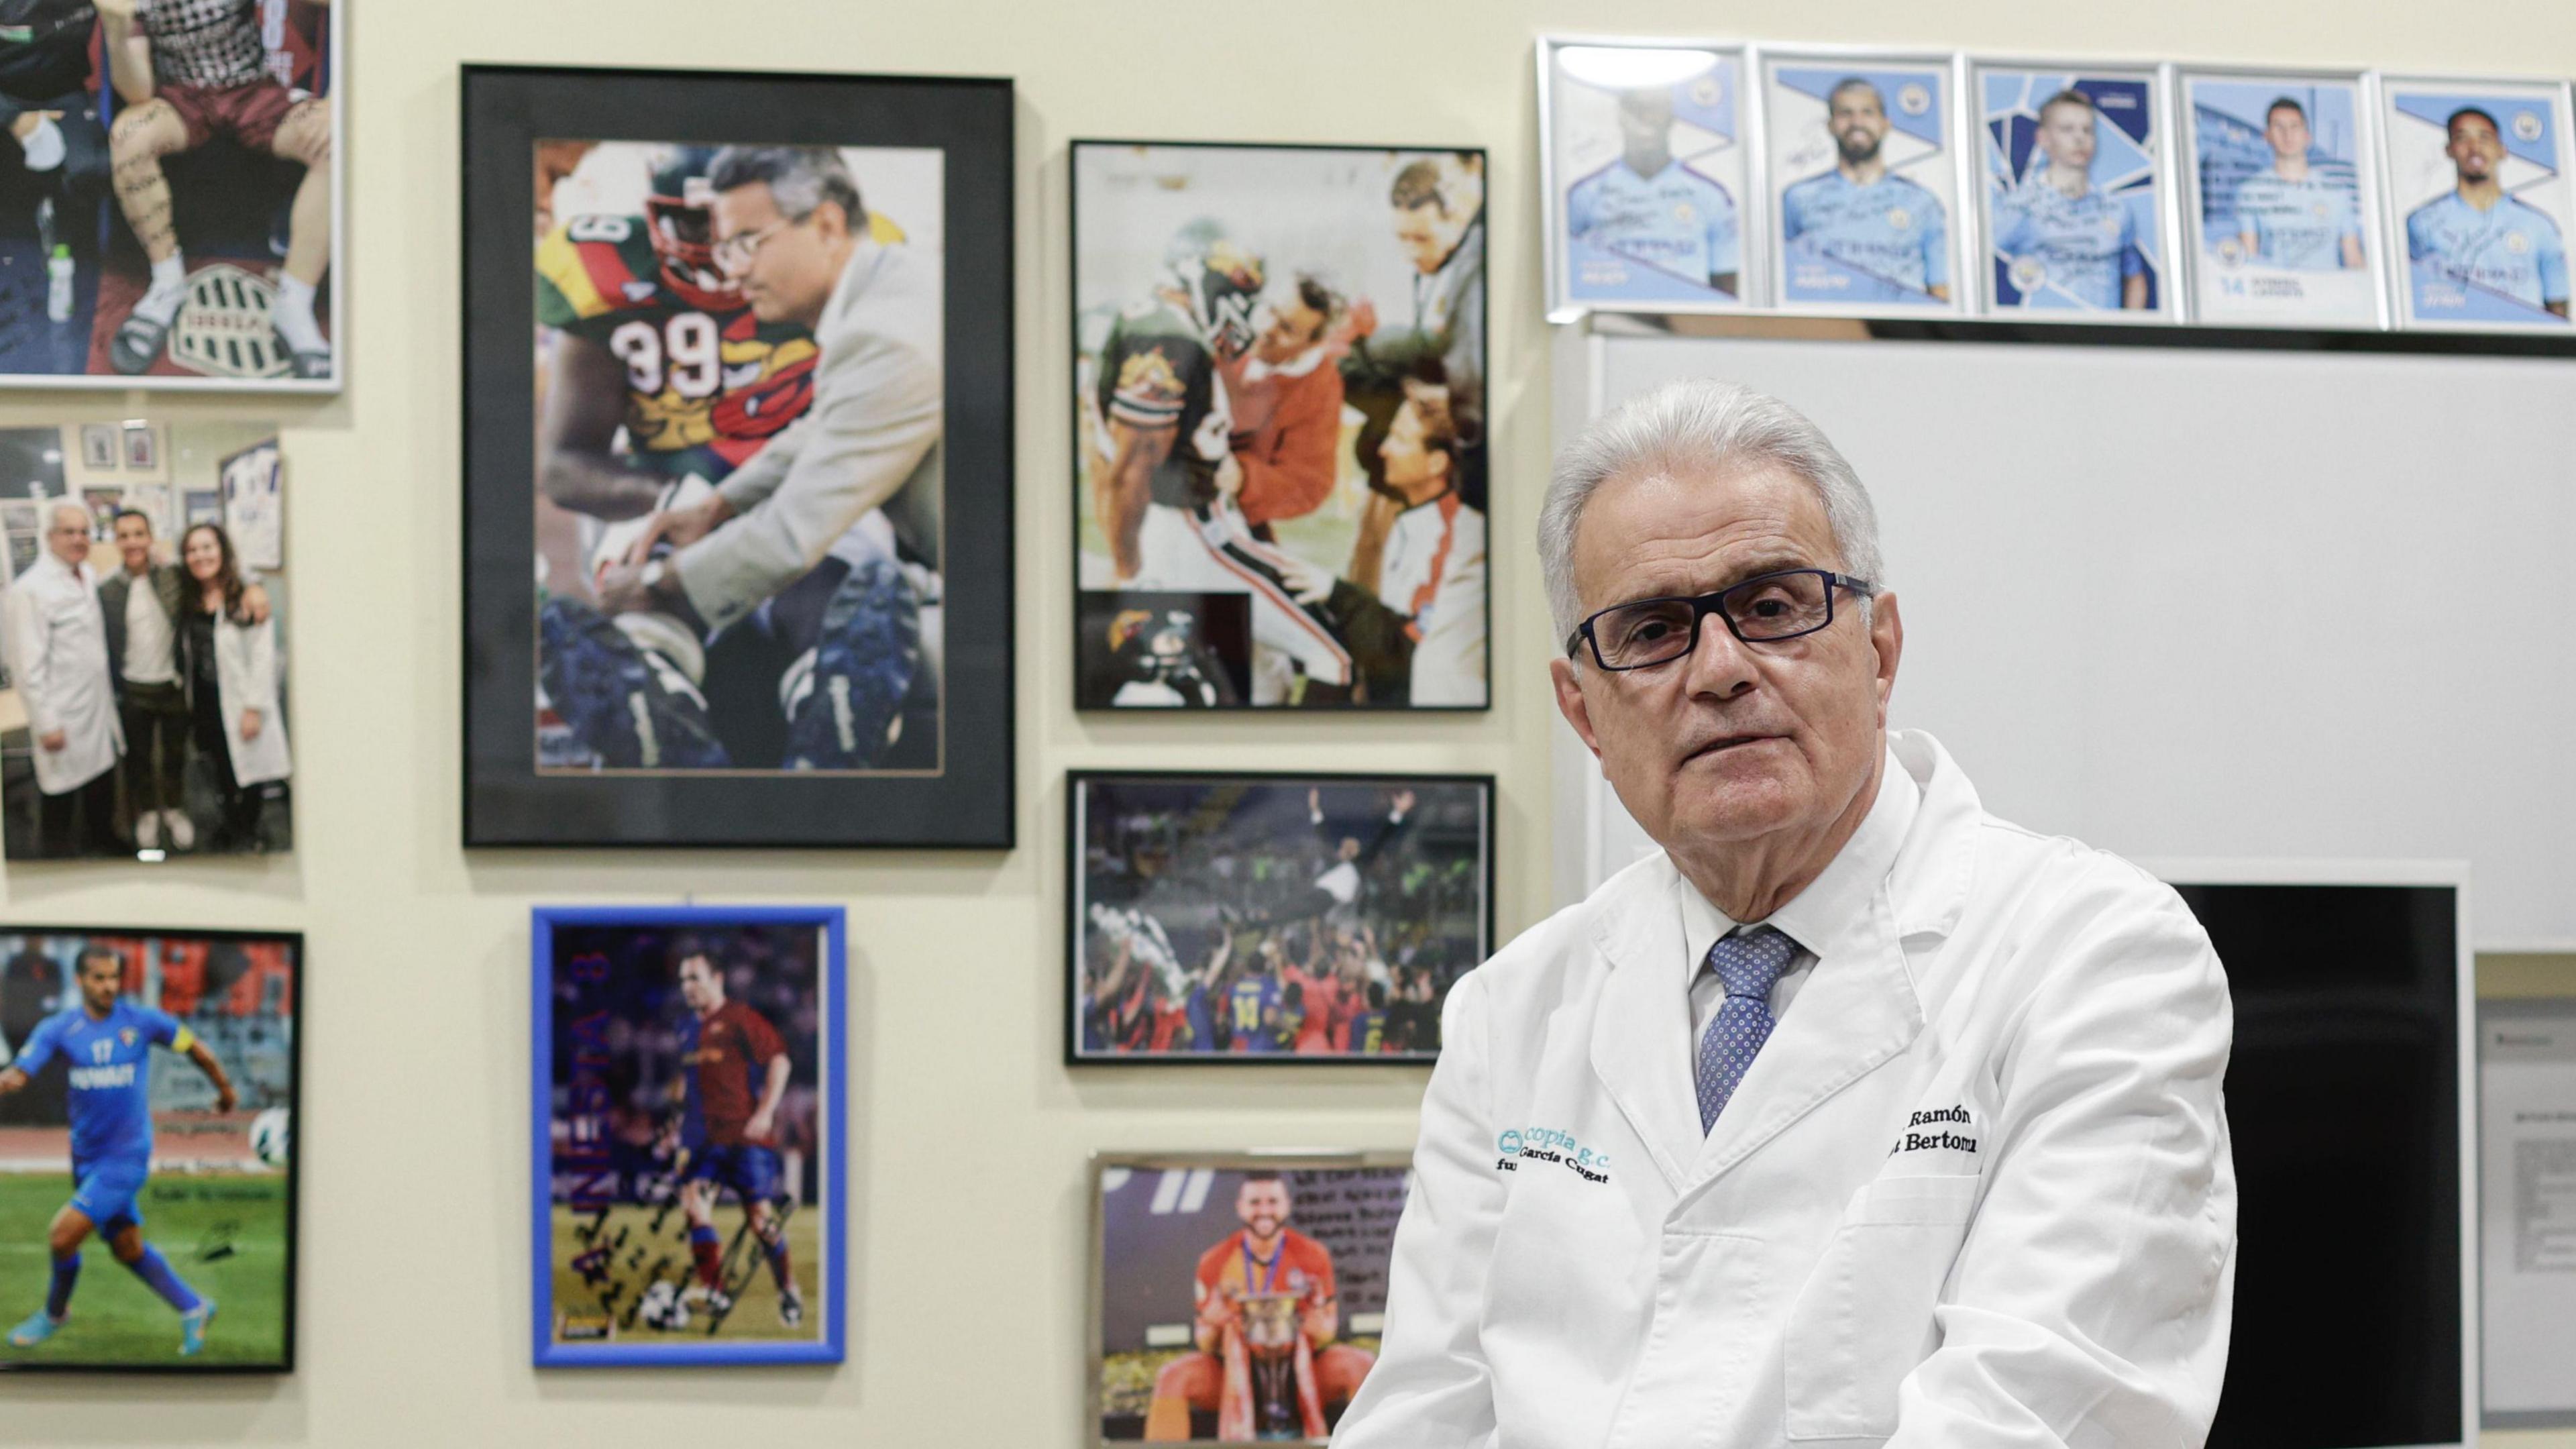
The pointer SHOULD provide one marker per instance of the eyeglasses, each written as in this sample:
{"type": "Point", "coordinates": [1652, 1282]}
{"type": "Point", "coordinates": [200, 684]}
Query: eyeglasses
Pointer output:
{"type": "Point", "coordinates": [735, 252]}
{"type": "Point", "coordinates": [1761, 610]}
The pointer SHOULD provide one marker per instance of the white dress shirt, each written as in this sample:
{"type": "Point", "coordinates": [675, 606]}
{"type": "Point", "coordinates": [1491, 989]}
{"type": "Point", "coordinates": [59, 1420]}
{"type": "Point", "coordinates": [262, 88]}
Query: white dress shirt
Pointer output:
{"type": "Point", "coordinates": [151, 644]}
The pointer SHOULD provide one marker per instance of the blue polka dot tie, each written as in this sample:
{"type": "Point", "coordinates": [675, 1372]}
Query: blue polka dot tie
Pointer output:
{"type": "Point", "coordinates": [1748, 964]}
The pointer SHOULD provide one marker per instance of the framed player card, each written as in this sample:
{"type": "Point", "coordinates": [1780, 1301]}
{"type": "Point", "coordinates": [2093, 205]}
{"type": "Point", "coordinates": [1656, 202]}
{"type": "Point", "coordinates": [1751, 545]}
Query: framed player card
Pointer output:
{"type": "Point", "coordinates": [1864, 180]}
{"type": "Point", "coordinates": [2478, 194]}
{"type": "Point", "coordinates": [734, 362]}
{"type": "Point", "coordinates": [2077, 224]}
{"type": "Point", "coordinates": [688, 1135]}
{"type": "Point", "coordinates": [1267, 919]}
{"type": "Point", "coordinates": [172, 202]}
{"type": "Point", "coordinates": [1646, 163]}
{"type": "Point", "coordinates": [147, 1148]}
{"type": "Point", "coordinates": [2282, 211]}
{"type": "Point", "coordinates": [1237, 1296]}
{"type": "Point", "coordinates": [1279, 426]}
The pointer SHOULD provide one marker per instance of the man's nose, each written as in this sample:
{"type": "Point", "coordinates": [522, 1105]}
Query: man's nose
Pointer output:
{"type": "Point", "coordinates": [1720, 665]}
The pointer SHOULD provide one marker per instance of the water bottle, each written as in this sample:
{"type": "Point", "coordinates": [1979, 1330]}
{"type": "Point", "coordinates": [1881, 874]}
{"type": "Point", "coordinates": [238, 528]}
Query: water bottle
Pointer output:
{"type": "Point", "coordinates": [58, 284]}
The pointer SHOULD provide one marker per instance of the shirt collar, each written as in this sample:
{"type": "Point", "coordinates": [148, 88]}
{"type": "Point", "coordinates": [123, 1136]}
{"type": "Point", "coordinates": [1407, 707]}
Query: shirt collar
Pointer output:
{"type": "Point", "coordinates": [1817, 917]}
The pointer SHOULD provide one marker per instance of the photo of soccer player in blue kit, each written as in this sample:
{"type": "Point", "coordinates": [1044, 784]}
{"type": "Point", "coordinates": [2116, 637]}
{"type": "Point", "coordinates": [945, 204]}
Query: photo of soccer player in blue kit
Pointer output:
{"type": "Point", "coordinates": [1646, 168]}
{"type": "Point", "coordinates": [2283, 200]}
{"type": "Point", "coordinates": [1864, 221]}
{"type": "Point", "coordinates": [689, 1153]}
{"type": "Point", "coordinates": [2478, 175]}
{"type": "Point", "coordinates": [199, 1220]}
{"type": "Point", "coordinates": [2073, 205]}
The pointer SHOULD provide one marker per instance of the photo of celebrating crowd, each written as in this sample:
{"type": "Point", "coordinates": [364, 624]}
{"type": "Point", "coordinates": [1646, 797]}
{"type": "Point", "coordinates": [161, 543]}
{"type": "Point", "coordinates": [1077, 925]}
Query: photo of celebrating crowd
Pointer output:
{"type": "Point", "coordinates": [168, 185]}
{"type": "Point", "coordinates": [686, 1135]}
{"type": "Point", "coordinates": [143, 606]}
{"type": "Point", "coordinates": [147, 1099]}
{"type": "Point", "coordinates": [1274, 918]}
{"type": "Point", "coordinates": [1280, 443]}
{"type": "Point", "coordinates": [1240, 1299]}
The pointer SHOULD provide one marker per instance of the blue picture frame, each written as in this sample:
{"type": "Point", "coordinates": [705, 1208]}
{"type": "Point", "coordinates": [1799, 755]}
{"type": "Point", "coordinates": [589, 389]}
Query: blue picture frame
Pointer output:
{"type": "Point", "coordinates": [619, 1347]}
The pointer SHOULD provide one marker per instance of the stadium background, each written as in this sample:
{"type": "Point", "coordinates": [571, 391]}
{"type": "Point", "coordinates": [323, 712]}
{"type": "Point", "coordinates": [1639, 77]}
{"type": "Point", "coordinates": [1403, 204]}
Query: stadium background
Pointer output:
{"type": "Point", "coordinates": [968, 1139]}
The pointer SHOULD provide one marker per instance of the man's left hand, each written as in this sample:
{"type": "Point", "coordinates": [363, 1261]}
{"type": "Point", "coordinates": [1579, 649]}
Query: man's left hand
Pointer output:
{"type": "Point", "coordinates": [226, 1098]}
{"type": "Point", "coordinates": [621, 590]}
{"type": "Point", "coordinates": [759, 1128]}
{"type": "Point", "coordinates": [680, 527]}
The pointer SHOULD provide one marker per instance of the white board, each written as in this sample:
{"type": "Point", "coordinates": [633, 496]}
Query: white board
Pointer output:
{"type": "Point", "coordinates": [2046, 512]}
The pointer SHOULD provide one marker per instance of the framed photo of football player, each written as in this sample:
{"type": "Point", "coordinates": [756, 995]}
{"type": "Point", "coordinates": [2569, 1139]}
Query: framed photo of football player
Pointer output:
{"type": "Point", "coordinates": [1279, 427]}
{"type": "Point", "coordinates": [173, 194]}
{"type": "Point", "coordinates": [149, 718]}
{"type": "Point", "coordinates": [147, 1148]}
{"type": "Point", "coordinates": [738, 459]}
{"type": "Point", "coordinates": [1266, 919]}
{"type": "Point", "coordinates": [1237, 1296]}
{"type": "Point", "coordinates": [2282, 197]}
{"type": "Point", "coordinates": [1865, 178]}
{"type": "Point", "coordinates": [688, 1136]}
{"type": "Point", "coordinates": [2478, 195]}
{"type": "Point", "coordinates": [1646, 166]}
{"type": "Point", "coordinates": [2077, 225]}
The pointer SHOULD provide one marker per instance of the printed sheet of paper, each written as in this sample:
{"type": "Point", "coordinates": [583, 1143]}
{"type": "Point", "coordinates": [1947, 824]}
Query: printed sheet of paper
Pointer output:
{"type": "Point", "coordinates": [2527, 1178]}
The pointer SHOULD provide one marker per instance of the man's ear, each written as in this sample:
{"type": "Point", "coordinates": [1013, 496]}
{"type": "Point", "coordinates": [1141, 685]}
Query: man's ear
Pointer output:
{"type": "Point", "coordinates": [1569, 703]}
{"type": "Point", "coordinates": [1887, 639]}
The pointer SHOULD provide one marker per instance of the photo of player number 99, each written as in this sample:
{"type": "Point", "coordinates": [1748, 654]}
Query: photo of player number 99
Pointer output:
{"type": "Point", "coordinates": [147, 1149]}
{"type": "Point", "coordinates": [687, 1138]}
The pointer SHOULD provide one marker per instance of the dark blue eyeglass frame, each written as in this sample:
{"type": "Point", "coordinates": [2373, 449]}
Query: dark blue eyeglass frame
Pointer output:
{"type": "Point", "coordinates": [1704, 605]}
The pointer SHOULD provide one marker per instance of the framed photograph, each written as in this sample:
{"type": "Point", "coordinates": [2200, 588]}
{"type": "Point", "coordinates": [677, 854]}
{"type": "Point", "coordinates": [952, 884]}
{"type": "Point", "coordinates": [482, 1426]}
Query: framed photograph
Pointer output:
{"type": "Point", "coordinates": [2283, 215]}
{"type": "Point", "coordinates": [2078, 221]}
{"type": "Point", "coordinates": [1272, 918]}
{"type": "Point", "coordinates": [1646, 159]}
{"type": "Point", "coordinates": [142, 448]}
{"type": "Point", "coordinates": [1279, 436]}
{"type": "Point", "coordinates": [252, 482]}
{"type": "Point", "coordinates": [2478, 191]}
{"type": "Point", "coordinates": [735, 356]}
{"type": "Point", "coordinates": [163, 644]}
{"type": "Point", "coordinates": [1238, 1296]}
{"type": "Point", "coordinates": [99, 447]}
{"type": "Point", "coordinates": [1865, 169]}
{"type": "Point", "coordinates": [175, 217]}
{"type": "Point", "coordinates": [689, 1172]}
{"type": "Point", "coordinates": [149, 1096]}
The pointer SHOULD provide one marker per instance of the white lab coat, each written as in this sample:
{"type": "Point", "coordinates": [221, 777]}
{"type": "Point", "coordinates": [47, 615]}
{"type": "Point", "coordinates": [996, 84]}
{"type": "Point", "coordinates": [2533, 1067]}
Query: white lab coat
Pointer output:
{"type": "Point", "coordinates": [58, 653]}
{"type": "Point", "coordinates": [1975, 1190]}
{"type": "Point", "coordinates": [246, 678]}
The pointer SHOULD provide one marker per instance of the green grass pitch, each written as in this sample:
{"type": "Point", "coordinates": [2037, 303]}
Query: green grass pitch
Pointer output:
{"type": "Point", "coordinates": [646, 1253]}
{"type": "Point", "coordinates": [115, 1321]}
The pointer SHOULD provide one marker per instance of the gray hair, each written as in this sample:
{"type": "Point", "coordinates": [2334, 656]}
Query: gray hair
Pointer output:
{"type": "Point", "coordinates": [800, 178]}
{"type": "Point", "coordinates": [1705, 425]}
{"type": "Point", "coordinates": [71, 508]}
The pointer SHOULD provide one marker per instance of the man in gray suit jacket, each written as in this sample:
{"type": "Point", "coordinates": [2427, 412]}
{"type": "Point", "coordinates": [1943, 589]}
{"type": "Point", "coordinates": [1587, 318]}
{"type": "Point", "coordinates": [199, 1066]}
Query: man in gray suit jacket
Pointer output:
{"type": "Point", "coordinates": [809, 527]}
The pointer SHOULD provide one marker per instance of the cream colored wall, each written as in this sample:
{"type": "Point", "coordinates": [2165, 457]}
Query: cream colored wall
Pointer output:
{"type": "Point", "coordinates": [969, 1140]}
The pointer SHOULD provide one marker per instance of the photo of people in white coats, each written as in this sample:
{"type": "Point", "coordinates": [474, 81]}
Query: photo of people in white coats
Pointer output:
{"type": "Point", "coordinates": [142, 601]}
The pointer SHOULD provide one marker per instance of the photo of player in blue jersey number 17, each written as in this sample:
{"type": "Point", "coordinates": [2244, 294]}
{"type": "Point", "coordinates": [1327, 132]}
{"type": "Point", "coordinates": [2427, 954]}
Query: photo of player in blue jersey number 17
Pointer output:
{"type": "Point", "coordinates": [2477, 236]}
{"type": "Point", "coordinates": [1650, 208]}
{"type": "Point", "coordinates": [2068, 240]}
{"type": "Point", "coordinates": [107, 1042]}
{"type": "Point", "coordinates": [2289, 216]}
{"type": "Point", "coordinates": [1859, 213]}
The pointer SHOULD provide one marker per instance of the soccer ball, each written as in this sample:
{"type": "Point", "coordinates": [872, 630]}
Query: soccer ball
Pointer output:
{"type": "Point", "coordinates": [663, 1307]}
{"type": "Point", "coordinates": [272, 1136]}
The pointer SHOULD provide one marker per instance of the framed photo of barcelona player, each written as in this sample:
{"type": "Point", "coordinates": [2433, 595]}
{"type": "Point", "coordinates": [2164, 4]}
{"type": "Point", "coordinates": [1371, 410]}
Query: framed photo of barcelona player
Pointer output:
{"type": "Point", "coordinates": [2283, 219]}
{"type": "Point", "coordinates": [1279, 427]}
{"type": "Point", "coordinates": [738, 467]}
{"type": "Point", "coordinates": [148, 1159]}
{"type": "Point", "coordinates": [688, 1136]}
{"type": "Point", "coordinates": [1237, 1296]}
{"type": "Point", "coordinates": [2479, 197]}
{"type": "Point", "coordinates": [170, 212]}
{"type": "Point", "coordinates": [2078, 224]}
{"type": "Point", "coordinates": [1271, 919]}
{"type": "Point", "coordinates": [1647, 159]}
{"type": "Point", "coordinates": [1865, 181]}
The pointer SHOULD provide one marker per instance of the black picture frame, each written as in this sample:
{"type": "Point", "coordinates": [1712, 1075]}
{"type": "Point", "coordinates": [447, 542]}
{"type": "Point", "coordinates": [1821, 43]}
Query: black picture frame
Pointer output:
{"type": "Point", "coordinates": [163, 1365]}
{"type": "Point", "coordinates": [967, 801]}
{"type": "Point", "coordinates": [1077, 924]}
{"type": "Point", "coordinates": [1226, 666]}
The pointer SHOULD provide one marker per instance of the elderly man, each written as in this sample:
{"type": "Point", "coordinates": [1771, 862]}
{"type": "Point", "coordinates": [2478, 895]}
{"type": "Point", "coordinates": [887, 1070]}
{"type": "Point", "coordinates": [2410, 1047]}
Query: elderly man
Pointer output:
{"type": "Point", "coordinates": [1853, 1116]}
{"type": "Point", "coordinates": [58, 649]}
